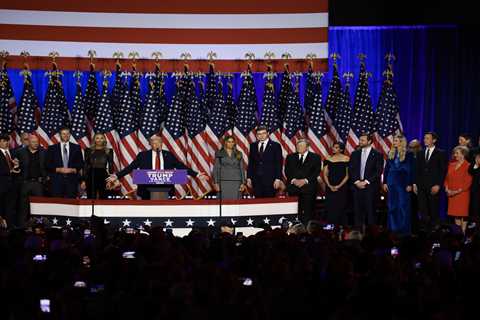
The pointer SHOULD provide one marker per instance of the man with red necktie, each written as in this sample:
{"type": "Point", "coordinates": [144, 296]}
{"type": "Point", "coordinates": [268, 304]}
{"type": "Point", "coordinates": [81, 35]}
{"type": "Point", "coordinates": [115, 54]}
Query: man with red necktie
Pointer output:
{"type": "Point", "coordinates": [8, 166]}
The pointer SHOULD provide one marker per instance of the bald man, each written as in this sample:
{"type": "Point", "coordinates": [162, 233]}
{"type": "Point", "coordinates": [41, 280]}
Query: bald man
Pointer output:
{"type": "Point", "coordinates": [33, 173]}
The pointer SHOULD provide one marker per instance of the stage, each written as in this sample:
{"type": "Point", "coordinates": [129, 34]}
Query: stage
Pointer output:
{"type": "Point", "coordinates": [247, 215]}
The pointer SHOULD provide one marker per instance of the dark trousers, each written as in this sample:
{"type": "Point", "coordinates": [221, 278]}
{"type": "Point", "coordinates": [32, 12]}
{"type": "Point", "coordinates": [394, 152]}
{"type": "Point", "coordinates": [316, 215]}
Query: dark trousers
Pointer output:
{"type": "Point", "coordinates": [263, 188]}
{"type": "Point", "coordinates": [364, 205]}
{"type": "Point", "coordinates": [96, 185]}
{"type": "Point", "coordinates": [64, 185]}
{"type": "Point", "coordinates": [29, 188]}
{"type": "Point", "coordinates": [428, 207]}
{"type": "Point", "coordinates": [306, 202]}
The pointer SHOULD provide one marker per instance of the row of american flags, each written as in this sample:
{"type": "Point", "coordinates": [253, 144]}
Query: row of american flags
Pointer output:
{"type": "Point", "coordinates": [201, 112]}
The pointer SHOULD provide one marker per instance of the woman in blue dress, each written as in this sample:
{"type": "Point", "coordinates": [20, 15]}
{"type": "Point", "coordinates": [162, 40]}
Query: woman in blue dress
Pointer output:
{"type": "Point", "coordinates": [398, 181]}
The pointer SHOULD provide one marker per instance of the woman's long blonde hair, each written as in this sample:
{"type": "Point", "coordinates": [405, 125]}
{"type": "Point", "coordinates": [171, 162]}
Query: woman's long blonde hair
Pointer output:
{"type": "Point", "coordinates": [402, 148]}
{"type": "Point", "coordinates": [236, 153]}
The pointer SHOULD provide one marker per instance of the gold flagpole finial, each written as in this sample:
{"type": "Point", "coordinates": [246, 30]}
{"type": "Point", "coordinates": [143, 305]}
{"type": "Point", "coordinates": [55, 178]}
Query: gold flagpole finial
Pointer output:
{"type": "Point", "coordinates": [250, 56]}
{"type": "Point", "coordinates": [92, 54]}
{"type": "Point", "coordinates": [286, 56]}
{"type": "Point", "coordinates": [117, 55]}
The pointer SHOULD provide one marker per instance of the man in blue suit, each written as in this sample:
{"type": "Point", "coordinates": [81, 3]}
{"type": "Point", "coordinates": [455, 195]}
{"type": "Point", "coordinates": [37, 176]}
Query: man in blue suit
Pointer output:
{"type": "Point", "coordinates": [155, 158]}
{"type": "Point", "coordinates": [264, 171]}
{"type": "Point", "coordinates": [64, 163]}
{"type": "Point", "coordinates": [366, 166]}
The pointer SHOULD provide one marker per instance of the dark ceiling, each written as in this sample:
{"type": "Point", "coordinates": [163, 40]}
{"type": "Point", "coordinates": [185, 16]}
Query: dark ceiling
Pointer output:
{"type": "Point", "coordinates": [404, 12]}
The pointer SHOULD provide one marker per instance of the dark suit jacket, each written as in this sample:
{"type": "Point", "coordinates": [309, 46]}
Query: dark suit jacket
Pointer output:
{"type": "Point", "coordinates": [433, 172]}
{"type": "Point", "coordinates": [143, 160]}
{"type": "Point", "coordinates": [310, 169]}
{"type": "Point", "coordinates": [54, 160]}
{"type": "Point", "coordinates": [373, 167]}
{"type": "Point", "coordinates": [24, 159]}
{"type": "Point", "coordinates": [266, 167]}
{"type": "Point", "coordinates": [6, 177]}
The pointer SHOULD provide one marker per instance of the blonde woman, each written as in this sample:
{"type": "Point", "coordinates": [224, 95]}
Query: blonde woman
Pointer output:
{"type": "Point", "coordinates": [398, 181]}
{"type": "Point", "coordinates": [228, 171]}
{"type": "Point", "coordinates": [98, 166]}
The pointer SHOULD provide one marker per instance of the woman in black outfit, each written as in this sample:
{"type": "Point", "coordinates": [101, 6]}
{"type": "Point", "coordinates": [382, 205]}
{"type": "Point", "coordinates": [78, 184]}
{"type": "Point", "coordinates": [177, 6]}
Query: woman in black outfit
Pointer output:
{"type": "Point", "coordinates": [335, 171]}
{"type": "Point", "coordinates": [98, 166]}
{"type": "Point", "coordinates": [474, 171]}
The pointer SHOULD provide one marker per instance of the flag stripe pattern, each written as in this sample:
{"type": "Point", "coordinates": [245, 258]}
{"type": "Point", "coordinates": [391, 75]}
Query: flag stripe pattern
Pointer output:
{"type": "Point", "coordinates": [190, 26]}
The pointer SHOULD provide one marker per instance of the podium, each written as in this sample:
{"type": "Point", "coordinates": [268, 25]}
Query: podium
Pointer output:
{"type": "Point", "coordinates": [159, 182]}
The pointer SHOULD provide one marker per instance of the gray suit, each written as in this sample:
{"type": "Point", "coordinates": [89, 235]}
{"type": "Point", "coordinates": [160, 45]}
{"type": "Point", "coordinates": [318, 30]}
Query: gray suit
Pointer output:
{"type": "Point", "coordinates": [228, 172]}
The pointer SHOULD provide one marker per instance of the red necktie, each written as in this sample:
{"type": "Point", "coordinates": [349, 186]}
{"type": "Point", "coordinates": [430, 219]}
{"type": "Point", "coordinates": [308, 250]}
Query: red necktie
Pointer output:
{"type": "Point", "coordinates": [157, 161]}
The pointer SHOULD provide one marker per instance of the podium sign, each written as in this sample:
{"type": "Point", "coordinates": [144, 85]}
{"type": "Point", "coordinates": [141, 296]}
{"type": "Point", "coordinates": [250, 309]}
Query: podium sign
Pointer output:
{"type": "Point", "coordinates": [159, 177]}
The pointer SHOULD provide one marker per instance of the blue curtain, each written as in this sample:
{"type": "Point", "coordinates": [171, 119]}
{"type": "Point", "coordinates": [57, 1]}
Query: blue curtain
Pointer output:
{"type": "Point", "coordinates": [436, 75]}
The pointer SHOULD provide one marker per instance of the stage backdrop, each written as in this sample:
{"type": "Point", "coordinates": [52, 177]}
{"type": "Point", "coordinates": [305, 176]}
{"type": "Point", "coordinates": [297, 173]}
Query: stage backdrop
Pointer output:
{"type": "Point", "coordinates": [436, 75]}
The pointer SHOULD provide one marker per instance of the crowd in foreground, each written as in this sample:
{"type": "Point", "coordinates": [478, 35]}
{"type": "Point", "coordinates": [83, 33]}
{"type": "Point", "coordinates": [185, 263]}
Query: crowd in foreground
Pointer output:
{"type": "Point", "coordinates": [92, 271]}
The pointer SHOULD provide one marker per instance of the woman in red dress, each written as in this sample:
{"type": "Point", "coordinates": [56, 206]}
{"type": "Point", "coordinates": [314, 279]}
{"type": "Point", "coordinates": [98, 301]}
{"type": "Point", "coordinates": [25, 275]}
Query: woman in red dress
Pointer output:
{"type": "Point", "coordinates": [457, 186]}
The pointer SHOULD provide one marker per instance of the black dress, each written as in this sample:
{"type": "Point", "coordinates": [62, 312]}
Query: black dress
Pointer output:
{"type": "Point", "coordinates": [336, 202]}
{"type": "Point", "coordinates": [474, 191]}
{"type": "Point", "coordinates": [98, 166]}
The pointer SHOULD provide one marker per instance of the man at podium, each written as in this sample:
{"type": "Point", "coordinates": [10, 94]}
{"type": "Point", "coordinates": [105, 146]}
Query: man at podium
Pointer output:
{"type": "Point", "coordinates": [153, 159]}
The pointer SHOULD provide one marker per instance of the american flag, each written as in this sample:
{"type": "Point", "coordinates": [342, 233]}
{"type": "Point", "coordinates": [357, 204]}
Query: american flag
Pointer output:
{"type": "Point", "coordinates": [53, 115]}
{"type": "Point", "coordinates": [231, 106]}
{"type": "Point", "coordinates": [225, 27]}
{"type": "Point", "coordinates": [212, 89]}
{"type": "Point", "coordinates": [320, 141]}
{"type": "Point", "coordinates": [217, 120]}
{"type": "Point", "coordinates": [173, 133]}
{"type": "Point", "coordinates": [135, 97]}
{"type": "Point", "coordinates": [127, 131]}
{"type": "Point", "coordinates": [7, 124]}
{"type": "Point", "coordinates": [293, 124]}
{"type": "Point", "coordinates": [92, 96]}
{"type": "Point", "coordinates": [12, 106]}
{"type": "Point", "coordinates": [344, 113]}
{"type": "Point", "coordinates": [246, 120]}
{"type": "Point", "coordinates": [270, 115]}
{"type": "Point", "coordinates": [332, 104]}
{"type": "Point", "coordinates": [79, 120]}
{"type": "Point", "coordinates": [334, 96]}
{"type": "Point", "coordinates": [28, 108]}
{"type": "Point", "coordinates": [387, 116]}
{"type": "Point", "coordinates": [104, 124]}
{"type": "Point", "coordinates": [150, 120]}
{"type": "Point", "coordinates": [198, 156]}
{"type": "Point", "coordinates": [117, 94]}
{"type": "Point", "coordinates": [363, 115]}
{"type": "Point", "coordinates": [312, 86]}
{"type": "Point", "coordinates": [91, 100]}
{"type": "Point", "coordinates": [284, 94]}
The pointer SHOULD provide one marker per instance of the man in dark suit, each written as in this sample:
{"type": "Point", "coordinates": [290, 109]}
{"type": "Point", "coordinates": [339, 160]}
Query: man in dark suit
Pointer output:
{"type": "Point", "coordinates": [264, 172]}
{"type": "Point", "coordinates": [302, 169]}
{"type": "Point", "coordinates": [366, 166]}
{"type": "Point", "coordinates": [33, 174]}
{"type": "Point", "coordinates": [432, 165]}
{"type": "Point", "coordinates": [157, 159]}
{"type": "Point", "coordinates": [8, 167]}
{"type": "Point", "coordinates": [64, 162]}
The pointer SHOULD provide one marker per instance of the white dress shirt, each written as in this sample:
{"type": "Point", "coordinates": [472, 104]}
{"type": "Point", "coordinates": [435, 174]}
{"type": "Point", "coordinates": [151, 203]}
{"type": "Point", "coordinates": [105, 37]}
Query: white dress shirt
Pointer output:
{"type": "Point", "coordinates": [430, 151]}
{"type": "Point", "coordinates": [363, 163]}
{"type": "Point", "coordinates": [264, 144]}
